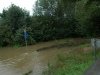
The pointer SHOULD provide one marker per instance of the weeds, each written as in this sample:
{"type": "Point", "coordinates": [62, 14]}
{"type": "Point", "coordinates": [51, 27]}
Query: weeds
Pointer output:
{"type": "Point", "coordinates": [17, 46]}
{"type": "Point", "coordinates": [84, 45]}
{"type": "Point", "coordinates": [49, 71]}
{"type": "Point", "coordinates": [28, 73]}
{"type": "Point", "coordinates": [72, 64]}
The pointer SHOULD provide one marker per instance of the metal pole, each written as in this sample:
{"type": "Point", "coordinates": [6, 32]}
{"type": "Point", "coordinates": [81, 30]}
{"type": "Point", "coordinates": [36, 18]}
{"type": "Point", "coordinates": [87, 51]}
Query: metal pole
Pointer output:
{"type": "Point", "coordinates": [95, 58]}
{"type": "Point", "coordinates": [26, 45]}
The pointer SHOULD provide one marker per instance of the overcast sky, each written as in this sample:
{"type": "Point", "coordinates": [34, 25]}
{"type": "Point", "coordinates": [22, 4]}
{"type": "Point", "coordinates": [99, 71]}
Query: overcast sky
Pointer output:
{"type": "Point", "coordinates": [27, 4]}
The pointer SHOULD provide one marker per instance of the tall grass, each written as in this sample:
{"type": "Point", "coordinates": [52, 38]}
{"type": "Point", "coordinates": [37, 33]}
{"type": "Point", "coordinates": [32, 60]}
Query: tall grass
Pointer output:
{"type": "Point", "coordinates": [84, 45]}
{"type": "Point", "coordinates": [72, 64]}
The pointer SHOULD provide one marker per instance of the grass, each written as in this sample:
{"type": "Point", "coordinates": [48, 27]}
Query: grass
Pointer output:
{"type": "Point", "coordinates": [69, 40]}
{"type": "Point", "coordinates": [28, 73]}
{"type": "Point", "coordinates": [72, 64]}
{"type": "Point", "coordinates": [64, 40]}
{"type": "Point", "coordinates": [84, 45]}
{"type": "Point", "coordinates": [17, 46]}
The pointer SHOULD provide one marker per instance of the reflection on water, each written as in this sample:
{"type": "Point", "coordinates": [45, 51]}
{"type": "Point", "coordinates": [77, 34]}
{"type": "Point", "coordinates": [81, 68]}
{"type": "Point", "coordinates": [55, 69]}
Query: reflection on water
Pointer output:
{"type": "Point", "coordinates": [17, 61]}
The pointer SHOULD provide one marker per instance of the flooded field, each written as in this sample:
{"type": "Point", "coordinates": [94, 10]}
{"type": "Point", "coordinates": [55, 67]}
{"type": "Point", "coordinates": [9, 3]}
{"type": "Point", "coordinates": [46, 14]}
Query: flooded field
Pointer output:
{"type": "Point", "coordinates": [16, 61]}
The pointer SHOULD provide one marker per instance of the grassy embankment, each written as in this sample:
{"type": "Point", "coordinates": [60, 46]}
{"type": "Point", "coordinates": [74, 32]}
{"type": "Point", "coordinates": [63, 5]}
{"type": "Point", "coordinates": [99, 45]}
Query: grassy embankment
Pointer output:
{"type": "Point", "coordinates": [74, 63]}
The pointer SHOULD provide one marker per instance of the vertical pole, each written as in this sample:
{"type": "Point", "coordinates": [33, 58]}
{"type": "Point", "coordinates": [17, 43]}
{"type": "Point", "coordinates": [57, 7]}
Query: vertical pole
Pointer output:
{"type": "Point", "coordinates": [26, 45]}
{"type": "Point", "coordinates": [95, 58]}
{"type": "Point", "coordinates": [25, 36]}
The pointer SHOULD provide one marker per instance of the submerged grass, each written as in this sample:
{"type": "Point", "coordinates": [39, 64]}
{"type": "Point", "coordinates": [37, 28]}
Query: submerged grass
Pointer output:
{"type": "Point", "coordinates": [72, 64]}
{"type": "Point", "coordinates": [17, 46]}
{"type": "Point", "coordinates": [28, 73]}
{"type": "Point", "coordinates": [69, 40]}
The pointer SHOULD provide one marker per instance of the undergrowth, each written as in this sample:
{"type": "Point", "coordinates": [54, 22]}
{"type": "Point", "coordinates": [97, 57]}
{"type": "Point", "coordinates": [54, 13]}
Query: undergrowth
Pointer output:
{"type": "Point", "coordinates": [71, 64]}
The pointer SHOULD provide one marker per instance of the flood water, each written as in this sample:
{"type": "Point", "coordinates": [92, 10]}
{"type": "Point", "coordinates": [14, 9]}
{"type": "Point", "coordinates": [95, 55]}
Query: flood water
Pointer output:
{"type": "Point", "coordinates": [16, 61]}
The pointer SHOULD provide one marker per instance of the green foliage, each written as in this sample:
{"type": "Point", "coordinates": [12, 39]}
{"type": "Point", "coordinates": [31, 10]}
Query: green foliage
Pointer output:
{"type": "Point", "coordinates": [73, 63]}
{"type": "Point", "coordinates": [59, 57]}
{"type": "Point", "coordinates": [6, 35]}
{"type": "Point", "coordinates": [17, 46]}
{"type": "Point", "coordinates": [84, 45]}
{"type": "Point", "coordinates": [13, 22]}
{"type": "Point", "coordinates": [68, 0]}
{"type": "Point", "coordinates": [94, 23]}
{"type": "Point", "coordinates": [49, 71]}
{"type": "Point", "coordinates": [89, 3]}
{"type": "Point", "coordinates": [52, 19]}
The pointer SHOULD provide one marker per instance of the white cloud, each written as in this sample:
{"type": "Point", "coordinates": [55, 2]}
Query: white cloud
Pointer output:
{"type": "Point", "coordinates": [27, 4]}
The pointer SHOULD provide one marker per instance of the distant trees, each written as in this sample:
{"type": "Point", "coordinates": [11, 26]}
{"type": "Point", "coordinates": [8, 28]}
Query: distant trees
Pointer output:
{"type": "Point", "coordinates": [59, 20]}
{"type": "Point", "coordinates": [88, 11]}
{"type": "Point", "coordinates": [13, 22]}
{"type": "Point", "coordinates": [93, 23]}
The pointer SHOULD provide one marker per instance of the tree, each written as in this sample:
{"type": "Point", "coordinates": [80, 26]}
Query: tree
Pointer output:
{"type": "Point", "coordinates": [89, 2]}
{"type": "Point", "coordinates": [14, 20]}
{"type": "Point", "coordinates": [94, 23]}
{"type": "Point", "coordinates": [45, 7]}
{"type": "Point", "coordinates": [15, 16]}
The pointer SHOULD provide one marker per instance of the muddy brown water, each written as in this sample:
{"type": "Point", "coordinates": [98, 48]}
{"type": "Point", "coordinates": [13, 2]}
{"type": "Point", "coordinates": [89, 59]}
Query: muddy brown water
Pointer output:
{"type": "Point", "coordinates": [17, 62]}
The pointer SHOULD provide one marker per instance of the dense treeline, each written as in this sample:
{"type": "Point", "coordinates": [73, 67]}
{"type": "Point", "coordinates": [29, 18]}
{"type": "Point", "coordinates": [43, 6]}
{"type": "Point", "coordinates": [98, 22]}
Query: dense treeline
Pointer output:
{"type": "Point", "coordinates": [51, 19]}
